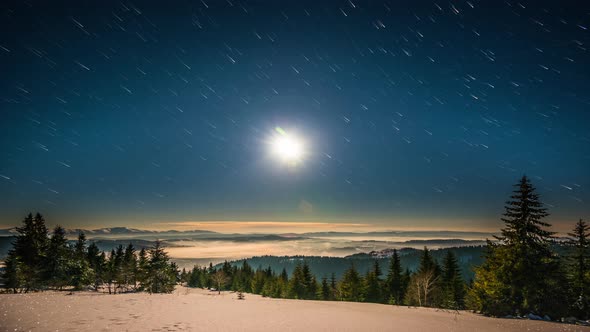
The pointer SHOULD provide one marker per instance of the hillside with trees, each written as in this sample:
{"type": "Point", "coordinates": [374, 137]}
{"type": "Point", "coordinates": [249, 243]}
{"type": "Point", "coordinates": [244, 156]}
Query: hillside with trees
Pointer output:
{"type": "Point", "coordinates": [40, 260]}
{"type": "Point", "coordinates": [467, 259]}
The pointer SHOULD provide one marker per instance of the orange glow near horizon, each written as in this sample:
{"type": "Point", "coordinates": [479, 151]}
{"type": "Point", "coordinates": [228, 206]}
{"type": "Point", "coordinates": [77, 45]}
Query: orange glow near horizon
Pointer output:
{"type": "Point", "coordinates": [269, 226]}
{"type": "Point", "coordinates": [301, 226]}
{"type": "Point", "coordinates": [265, 226]}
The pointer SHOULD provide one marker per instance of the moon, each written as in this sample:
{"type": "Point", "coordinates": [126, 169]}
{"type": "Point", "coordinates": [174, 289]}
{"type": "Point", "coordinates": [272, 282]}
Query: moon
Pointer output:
{"type": "Point", "coordinates": [287, 147]}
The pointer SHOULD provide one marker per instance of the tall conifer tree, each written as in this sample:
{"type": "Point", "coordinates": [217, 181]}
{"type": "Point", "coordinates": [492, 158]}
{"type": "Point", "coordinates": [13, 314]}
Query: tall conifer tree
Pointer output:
{"type": "Point", "coordinates": [394, 281]}
{"type": "Point", "coordinates": [579, 243]}
{"type": "Point", "coordinates": [521, 274]}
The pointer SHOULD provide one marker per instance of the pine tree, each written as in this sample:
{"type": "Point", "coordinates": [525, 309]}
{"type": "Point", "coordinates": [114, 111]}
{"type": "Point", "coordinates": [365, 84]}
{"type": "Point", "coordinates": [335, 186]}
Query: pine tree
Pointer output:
{"type": "Point", "coordinates": [227, 269]}
{"type": "Point", "coordinates": [309, 282]}
{"type": "Point", "coordinates": [80, 246]}
{"type": "Point", "coordinates": [97, 261]}
{"type": "Point", "coordinates": [161, 275]}
{"type": "Point", "coordinates": [333, 286]}
{"type": "Point", "coordinates": [194, 278]}
{"type": "Point", "coordinates": [58, 259]}
{"type": "Point", "coordinates": [13, 276]}
{"type": "Point", "coordinates": [258, 281]}
{"type": "Point", "coordinates": [142, 268]}
{"type": "Point", "coordinates": [520, 274]}
{"type": "Point", "coordinates": [377, 269]}
{"type": "Point", "coordinates": [371, 289]}
{"type": "Point", "coordinates": [350, 287]}
{"type": "Point", "coordinates": [110, 273]}
{"type": "Point", "coordinates": [394, 281]}
{"type": "Point", "coordinates": [427, 263]}
{"type": "Point", "coordinates": [24, 263]}
{"type": "Point", "coordinates": [118, 274]}
{"type": "Point", "coordinates": [324, 292]}
{"type": "Point", "coordinates": [296, 288]}
{"type": "Point", "coordinates": [80, 270]}
{"type": "Point", "coordinates": [284, 274]}
{"type": "Point", "coordinates": [313, 288]}
{"type": "Point", "coordinates": [579, 243]}
{"type": "Point", "coordinates": [453, 287]}
{"type": "Point", "coordinates": [129, 267]}
{"type": "Point", "coordinates": [184, 275]}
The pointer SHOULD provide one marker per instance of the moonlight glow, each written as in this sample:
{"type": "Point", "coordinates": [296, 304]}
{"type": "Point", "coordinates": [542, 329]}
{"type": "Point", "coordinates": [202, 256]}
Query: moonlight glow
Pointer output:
{"type": "Point", "coordinates": [287, 147]}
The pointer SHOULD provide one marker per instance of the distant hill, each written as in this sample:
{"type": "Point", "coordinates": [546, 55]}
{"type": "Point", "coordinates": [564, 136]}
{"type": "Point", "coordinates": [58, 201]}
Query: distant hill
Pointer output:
{"type": "Point", "coordinates": [103, 244]}
{"type": "Point", "coordinates": [8, 231]}
{"type": "Point", "coordinates": [107, 245]}
{"type": "Point", "coordinates": [127, 231]}
{"type": "Point", "coordinates": [422, 234]}
{"type": "Point", "coordinates": [118, 231]}
{"type": "Point", "coordinates": [5, 245]}
{"type": "Point", "coordinates": [468, 257]}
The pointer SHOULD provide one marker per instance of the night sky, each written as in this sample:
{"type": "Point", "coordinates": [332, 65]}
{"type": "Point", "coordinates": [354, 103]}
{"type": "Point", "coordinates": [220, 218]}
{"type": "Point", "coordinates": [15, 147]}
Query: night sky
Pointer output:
{"type": "Point", "coordinates": [419, 115]}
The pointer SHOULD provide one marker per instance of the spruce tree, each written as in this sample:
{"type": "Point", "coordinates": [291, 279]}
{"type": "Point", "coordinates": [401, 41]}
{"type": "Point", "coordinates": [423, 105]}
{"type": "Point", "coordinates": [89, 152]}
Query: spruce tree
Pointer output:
{"type": "Point", "coordinates": [350, 288]}
{"type": "Point", "coordinates": [13, 276]}
{"type": "Point", "coordinates": [283, 276]}
{"type": "Point", "coordinates": [161, 275]}
{"type": "Point", "coordinates": [394, 281]}
{"type": "Point", "coordinates": [333, 285]}
{"type": "Point", "coordinates": [24, 263]}
{"type": "Point", "coordinates": [371, 288]}
{"type": "Point", "coordinates": [377, 269]}
{"type": "Point", "coordinates": [579, 243]}
{"type": "Point", "coordinates": [97, 261]}
{"type": "Point", "coordinates": [184, 275]}
{"type": "Point", "coordinates": [118, 276]}
{"type": "Point", "coordinates": [194, 278]}
{"type": "Point", "coordinates": [258, 281]}
{"type": "Point", "coordinates": [110, 271]}
{"type": "Point", "coordinates": [309, 282]}
{"type": "Point", "coordinates": [520, 274]}
{"type": "Point", "coordinates": [80, 246]}
{"type": "Point", "coordinates": [325, 293]}
{"type": "Point", "coordinates": [80, 270]}
{"type": "Point", "coordinates": [142, 269]}
{"type": "Point", "coordinates": [453, 287]}
{"type": "Point", "coordinates": [129, 267]}
{"type": "Point", "coordinates": [58, 259]}
{"type": "Point", "coordinates": [296, 288]}
{"type": "Point", "coordinates": [427, 263]}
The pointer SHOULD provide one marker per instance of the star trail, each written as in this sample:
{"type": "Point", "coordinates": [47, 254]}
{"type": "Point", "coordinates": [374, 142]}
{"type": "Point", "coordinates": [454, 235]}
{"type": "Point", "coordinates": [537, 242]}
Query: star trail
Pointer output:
{"type": "Point", "coordinates": [413, 115]}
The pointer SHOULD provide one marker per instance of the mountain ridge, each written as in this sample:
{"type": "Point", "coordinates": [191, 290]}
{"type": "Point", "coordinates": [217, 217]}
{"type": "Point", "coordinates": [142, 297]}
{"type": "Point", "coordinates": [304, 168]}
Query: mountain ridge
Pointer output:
{"type": "Point", "coordinates": [119, 230]}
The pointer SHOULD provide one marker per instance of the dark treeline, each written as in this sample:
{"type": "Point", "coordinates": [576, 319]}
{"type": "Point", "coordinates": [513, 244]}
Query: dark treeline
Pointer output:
{"type": "Point", "coordinates": [432, 285]}
{"type": "Point", "coordinates": [467, 256]}
{"type": "Point", "coordinates": [526, 270]}
{"type": "Point", "coordinates": [40, 261]}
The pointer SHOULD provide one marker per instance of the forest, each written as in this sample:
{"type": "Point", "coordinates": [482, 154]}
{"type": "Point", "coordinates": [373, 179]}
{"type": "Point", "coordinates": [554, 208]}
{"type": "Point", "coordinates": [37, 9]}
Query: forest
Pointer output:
{"type": "Point", "coordinates": [39, 262]}
{"type": "Point", "coordinates": [525, 271]}
{"type": "Point", "coordinates": [323, 266]}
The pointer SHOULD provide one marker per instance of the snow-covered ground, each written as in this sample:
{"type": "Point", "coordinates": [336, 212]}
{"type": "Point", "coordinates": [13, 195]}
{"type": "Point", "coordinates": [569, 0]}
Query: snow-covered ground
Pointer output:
{"type": "Point", "coordinates": [199, 310]}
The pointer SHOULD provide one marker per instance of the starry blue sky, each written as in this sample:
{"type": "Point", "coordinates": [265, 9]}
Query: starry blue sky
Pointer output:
{"type": "Point", "coordinates": [414, 116]}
